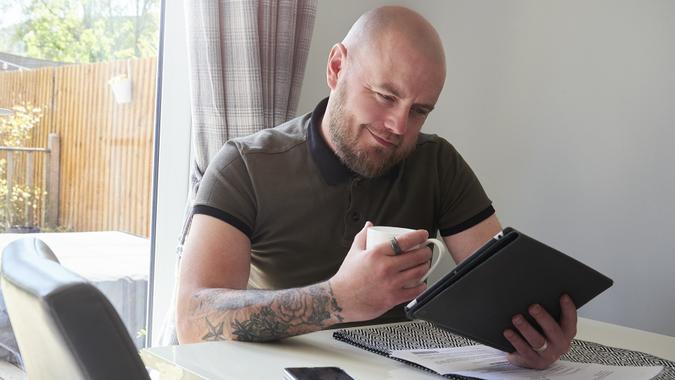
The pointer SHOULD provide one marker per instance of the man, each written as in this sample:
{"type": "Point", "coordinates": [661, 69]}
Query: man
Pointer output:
{"type": "Point", "coordinates": [277, 243]}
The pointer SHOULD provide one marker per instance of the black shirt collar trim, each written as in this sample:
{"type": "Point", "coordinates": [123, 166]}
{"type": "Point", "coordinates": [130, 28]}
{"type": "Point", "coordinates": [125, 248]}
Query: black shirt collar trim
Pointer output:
{"type": "Point", "coordinates": [329, 164]}
{"type": "Point", "coordinates": [333, 170]}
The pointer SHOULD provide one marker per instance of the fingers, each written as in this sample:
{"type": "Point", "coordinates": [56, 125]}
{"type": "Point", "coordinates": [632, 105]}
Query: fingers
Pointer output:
{"type": "Point", "coordinates": [532, 337]}
{"type": "Point", "coordinates": [552, 329]}
{"type": "Point", "coordinates": [411, 292]}
{"type": "Point", "coordinates": [524, 356]}
{"type": "Point", "coordinates": [560, 334]}
{"type": "Point", "coordinates": [410, 266]}
{"type": "Point", "coordinates": [412, 259]}
{"type": "Point", "coordinates": [360, 238]}
{"type": "Point", "coordinates": [537, 350]}
{"type": "Point", "coordinates": [413, 275]}
{"type": "Point", "coordinates": [568, 317]}
{"type": "Point", "coordinates": [412, 240]}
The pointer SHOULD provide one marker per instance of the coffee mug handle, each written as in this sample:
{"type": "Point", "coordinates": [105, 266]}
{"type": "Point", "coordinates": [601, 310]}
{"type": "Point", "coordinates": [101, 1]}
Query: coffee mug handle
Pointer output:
{"type": "Point", "coordinates": [434, 263]}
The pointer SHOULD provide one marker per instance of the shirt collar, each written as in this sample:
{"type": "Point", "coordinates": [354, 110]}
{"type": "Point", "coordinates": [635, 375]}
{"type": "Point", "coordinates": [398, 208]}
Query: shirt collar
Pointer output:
{"type": "Point", "coordinates": [333, 170]}
{"type": "Point", "coordinates": [330, 166]}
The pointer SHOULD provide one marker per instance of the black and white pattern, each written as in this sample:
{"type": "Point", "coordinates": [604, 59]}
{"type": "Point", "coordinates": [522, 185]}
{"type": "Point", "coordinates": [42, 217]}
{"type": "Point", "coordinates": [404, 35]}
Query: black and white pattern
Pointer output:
{"type": "Point", "coordinates": [422, 335]}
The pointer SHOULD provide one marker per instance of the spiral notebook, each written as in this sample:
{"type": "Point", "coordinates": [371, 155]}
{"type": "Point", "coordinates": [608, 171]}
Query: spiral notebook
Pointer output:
{"type": "Point", "coordinates": [382, 340]}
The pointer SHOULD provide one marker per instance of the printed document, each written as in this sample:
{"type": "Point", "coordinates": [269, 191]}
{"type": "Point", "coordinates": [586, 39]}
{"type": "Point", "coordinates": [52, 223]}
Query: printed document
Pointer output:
{"type": "Point", "coordinates": [488, 363]}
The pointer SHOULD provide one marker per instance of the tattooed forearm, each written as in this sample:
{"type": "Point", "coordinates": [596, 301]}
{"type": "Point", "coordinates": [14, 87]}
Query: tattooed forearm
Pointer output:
{"type": "Point", "coordinates": [214, 332]}
{"type": "Point", "coordinates": [259, 315]}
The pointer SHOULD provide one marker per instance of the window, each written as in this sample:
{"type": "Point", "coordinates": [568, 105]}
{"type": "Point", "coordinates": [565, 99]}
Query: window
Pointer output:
{"type": "Point", "coordinates": [77, 122]}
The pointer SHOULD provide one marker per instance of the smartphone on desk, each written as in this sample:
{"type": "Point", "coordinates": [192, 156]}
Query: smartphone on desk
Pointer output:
{"type": "Point", "coordinates": [315, 373]}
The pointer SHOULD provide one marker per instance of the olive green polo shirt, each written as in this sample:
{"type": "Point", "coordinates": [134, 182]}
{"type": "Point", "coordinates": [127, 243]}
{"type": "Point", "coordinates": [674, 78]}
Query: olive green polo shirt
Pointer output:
{"type": "Point", "coordinates": [301, 206]}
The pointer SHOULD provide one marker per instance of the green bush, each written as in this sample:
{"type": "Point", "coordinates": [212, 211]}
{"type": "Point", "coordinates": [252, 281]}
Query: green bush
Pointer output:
{"type": "Point", "coordinates": [15, 130]}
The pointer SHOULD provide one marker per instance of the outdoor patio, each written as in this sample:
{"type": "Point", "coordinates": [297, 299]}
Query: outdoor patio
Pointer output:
{"type": "Point", "coordinates": [117, 263]}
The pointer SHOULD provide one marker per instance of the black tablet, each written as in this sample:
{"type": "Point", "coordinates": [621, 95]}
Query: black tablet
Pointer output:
{"type": "Point", "coordinates": [501, 279]}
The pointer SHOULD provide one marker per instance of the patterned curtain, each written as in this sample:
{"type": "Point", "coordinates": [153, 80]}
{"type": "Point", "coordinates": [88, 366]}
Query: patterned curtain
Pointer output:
{"type": "Point", "coordinates": [246, 61]}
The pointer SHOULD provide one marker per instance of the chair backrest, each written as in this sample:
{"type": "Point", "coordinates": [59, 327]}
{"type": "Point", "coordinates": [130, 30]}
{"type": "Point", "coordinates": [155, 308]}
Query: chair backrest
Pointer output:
{"type": "Point", "coordinates": [64, 326]}
{"type": "Point", "coordinates": [9, 350]}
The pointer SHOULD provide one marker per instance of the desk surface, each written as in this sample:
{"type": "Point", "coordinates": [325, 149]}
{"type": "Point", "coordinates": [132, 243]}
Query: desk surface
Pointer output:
{"type": "Point", "coordinates": [239, 360]}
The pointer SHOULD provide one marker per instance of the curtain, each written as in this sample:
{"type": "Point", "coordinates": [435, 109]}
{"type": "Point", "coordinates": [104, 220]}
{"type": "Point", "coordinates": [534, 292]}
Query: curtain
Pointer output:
{"type": "Point", "coordinates": [246, 61]}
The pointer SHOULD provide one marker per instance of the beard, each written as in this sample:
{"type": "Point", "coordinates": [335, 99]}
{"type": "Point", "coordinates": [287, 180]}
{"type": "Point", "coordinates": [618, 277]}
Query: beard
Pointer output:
{"type": "Point", "coordinates": [366, 163]}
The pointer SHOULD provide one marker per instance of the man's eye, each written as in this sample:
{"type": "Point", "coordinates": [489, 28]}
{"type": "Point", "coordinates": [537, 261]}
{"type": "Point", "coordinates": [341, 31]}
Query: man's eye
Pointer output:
{"type": "Point", "coordinates": [420, 112]}
{"type": "Point", "coordinates": [384, 97]}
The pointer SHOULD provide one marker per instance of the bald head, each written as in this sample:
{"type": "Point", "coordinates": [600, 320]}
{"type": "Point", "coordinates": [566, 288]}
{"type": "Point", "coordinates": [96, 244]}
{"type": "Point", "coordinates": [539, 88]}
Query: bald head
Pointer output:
{"type": "Point", "coordinates": [390, 26]}
{"type": "Point", "coordinates": [385, 78]}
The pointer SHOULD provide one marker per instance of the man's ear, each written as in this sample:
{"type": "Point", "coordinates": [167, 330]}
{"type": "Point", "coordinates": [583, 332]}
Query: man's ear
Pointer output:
{"type": "Point", "coordinates": [336, 59]}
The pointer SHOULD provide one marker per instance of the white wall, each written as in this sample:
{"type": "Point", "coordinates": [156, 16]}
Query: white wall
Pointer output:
{"type": "Point", "coordinates": [566, 111]}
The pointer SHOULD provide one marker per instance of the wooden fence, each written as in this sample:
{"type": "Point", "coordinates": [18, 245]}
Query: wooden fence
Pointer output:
{"type": "Point", "coordinates": [106, 147]}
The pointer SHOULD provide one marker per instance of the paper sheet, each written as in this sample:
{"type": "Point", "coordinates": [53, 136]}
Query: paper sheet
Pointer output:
{"type": "Point", "coordinates": [488, 363]}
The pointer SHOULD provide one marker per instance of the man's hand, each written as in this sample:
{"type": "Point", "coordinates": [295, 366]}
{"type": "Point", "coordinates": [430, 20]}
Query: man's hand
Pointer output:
{"type": "Point", "coordinates": [370, 282]}
{"type": "Point", "coordinates": [535, 350]}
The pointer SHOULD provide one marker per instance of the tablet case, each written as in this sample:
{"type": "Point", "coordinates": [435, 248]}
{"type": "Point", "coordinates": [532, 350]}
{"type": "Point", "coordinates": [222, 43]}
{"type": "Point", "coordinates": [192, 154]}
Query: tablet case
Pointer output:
{"type": "Point", "coordinates": [503, 278]}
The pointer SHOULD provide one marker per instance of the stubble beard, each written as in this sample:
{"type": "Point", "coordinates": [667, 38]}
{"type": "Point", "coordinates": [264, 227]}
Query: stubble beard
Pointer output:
{"type": "Point", "coordinates": [368, 164]}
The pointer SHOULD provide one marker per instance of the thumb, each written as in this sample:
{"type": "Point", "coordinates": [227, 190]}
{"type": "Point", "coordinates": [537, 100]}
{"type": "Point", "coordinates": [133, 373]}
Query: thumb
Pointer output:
{"type": "Point", "coordinates": [360, 238]}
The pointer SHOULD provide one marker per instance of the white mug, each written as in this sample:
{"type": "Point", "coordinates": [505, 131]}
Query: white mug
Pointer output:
{"type": "Point", "coordinates": [382, 234]}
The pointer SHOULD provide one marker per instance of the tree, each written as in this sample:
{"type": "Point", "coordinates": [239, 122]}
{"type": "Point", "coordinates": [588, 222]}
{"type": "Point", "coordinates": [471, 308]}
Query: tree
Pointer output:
{"type": "Point", "coordinates": [87, 30]}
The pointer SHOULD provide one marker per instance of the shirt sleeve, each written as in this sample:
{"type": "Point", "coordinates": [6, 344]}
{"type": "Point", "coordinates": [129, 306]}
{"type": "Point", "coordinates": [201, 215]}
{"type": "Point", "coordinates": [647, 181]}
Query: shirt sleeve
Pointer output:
{"type": "Point", "coordinates": [464, 202]}
{"type": "Point", "coordinates": [226, 191]}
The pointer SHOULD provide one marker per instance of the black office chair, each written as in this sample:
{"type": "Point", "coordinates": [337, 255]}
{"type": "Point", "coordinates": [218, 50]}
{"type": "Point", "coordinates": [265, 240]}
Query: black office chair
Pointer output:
{"type": "Point", "coordinates": [64, 326]}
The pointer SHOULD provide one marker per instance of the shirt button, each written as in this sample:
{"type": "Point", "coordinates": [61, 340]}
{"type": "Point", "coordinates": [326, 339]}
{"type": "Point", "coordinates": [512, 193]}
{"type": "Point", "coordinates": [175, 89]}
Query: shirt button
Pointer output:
{"type": "Point", "coordinates": [356, 216]}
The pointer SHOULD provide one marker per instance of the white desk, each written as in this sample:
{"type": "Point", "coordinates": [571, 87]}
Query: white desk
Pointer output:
{"type": "Point", "coordinates": [238, 360]}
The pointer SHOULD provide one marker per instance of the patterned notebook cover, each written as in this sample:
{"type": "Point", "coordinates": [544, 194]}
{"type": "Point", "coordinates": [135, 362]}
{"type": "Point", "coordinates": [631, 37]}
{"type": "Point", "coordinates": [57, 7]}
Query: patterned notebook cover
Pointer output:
{"type": "Point", "coordinates": [419, 335]}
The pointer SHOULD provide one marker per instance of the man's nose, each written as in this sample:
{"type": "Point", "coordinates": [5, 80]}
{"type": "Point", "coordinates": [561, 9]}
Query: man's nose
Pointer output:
{"type": "Point", "coordinates": [397, 120]}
